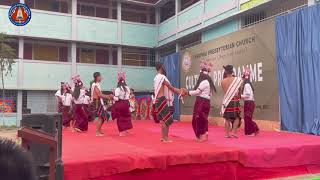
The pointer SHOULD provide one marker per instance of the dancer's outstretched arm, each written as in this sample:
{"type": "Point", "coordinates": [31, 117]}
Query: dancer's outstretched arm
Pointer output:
{"type": "Point", "coordinates": [100, 95]}
{"type": "Point", "coordinates": [175, 90]}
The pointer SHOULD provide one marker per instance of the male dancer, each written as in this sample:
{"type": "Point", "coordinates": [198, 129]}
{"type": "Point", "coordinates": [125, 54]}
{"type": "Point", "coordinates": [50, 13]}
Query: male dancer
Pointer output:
{"type": "Point", "coordinates": [231, 101]}
{"type": "Point", "coordinates": [250, 127]}
{"type": "Point", "coordinates": [164, 100]}
{"type": "Point", "coordinates": [97, 97]}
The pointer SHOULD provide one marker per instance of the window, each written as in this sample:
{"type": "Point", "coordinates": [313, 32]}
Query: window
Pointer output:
{"type": "Point", "coordinates": [39, 102]}
{"type": "Point", "coordinates": [97, 8]}
{"type": "Point", "coordinates": [167, 11]}
{"type": "Point", "coordinates": [8, 103]}
{"type": "Point", "coordinates": [272, 9]}
{"type": "Point", "coordinates": [187, 3]}
{"type": "Point", "coordinates": [165, 51]}
{"type": "Point", "coordinates": [133, 56]}
{"type": "Point", "coordinates": [62, 6]}
{"type": "Point", "coordinates": [140, 14]}
{"type": "Point", "coordinates": [46, 50]}
{"type": "Point", "coordinates": [190, 41]}
{"type": "Point", "coordinates": [8, 2]}
{"type": "Point", "coordinates": [96, 54]}
{"type": "Point", "coordinates": [13, 43]}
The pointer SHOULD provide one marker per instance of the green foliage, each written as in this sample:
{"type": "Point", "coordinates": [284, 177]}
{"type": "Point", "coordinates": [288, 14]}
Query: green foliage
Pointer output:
{"type": "Point", "coordinates": [7, 55]}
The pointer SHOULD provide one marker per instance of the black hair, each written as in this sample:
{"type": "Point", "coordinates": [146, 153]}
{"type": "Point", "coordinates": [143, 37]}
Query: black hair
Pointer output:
{"type": "Point", "coordinates": [203, 77]}
{"type": "Point", "coordinates": [15, 162]}
{"type": "Point", "coordinates": [160, 66]}
{"type": "Point", "coordinates": [247, 81]}
{"type": "Point", "coordinates": [122, 84]}
{"type": "Point", "coordinates": [95, 76]}
{"type": "Point", "coordinates": [76, 92]}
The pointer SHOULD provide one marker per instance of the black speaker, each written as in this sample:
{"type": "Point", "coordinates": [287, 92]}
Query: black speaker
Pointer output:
{"type": "Point", "coordinates": [51, 124]}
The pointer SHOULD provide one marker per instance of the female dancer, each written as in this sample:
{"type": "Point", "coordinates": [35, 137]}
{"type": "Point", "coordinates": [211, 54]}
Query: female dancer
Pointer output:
{"type": "Point", "coordinates": [250, 127]}
{"type": "Point", "coordinates": [203, 90]}
{"type": "Point", "coordinates": [67, 118]}
{"type": "Point", "coordinates": [80, 117]}
{"type": "Point", "coordinates": [97, 98]}
{"type": "Point", "coordinates": [122, 106]}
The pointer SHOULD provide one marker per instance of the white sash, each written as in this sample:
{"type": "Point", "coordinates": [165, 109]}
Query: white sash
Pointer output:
{"type": "Point", "coordinates": [231, 92]}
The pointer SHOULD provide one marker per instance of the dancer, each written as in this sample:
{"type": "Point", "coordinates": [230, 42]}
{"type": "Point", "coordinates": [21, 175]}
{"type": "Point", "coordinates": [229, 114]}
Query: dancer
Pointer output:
{"type": "Point", "coordinates": [88, 107]}
{"type": "Point", "coordinates": [122, 106]}
{"type": "Point", "coordinates": [67, 118]}
{"type": "Point", "coordinates": [164, 100]}
{"type": "Point", "coordinates": [231, 102]}
{"type": "Point", "coordinates": [58, 95]}
{"type": "Point", "coordinates": [250, 127]}
{"type": "Point", "coordinates": [97, 98]}
{"type": "Point", "coordinates": [203, 90]}
{"type": "Point", "coordinates": [80, 117]}
{"type": "Point", "coordinates": [132, 102]}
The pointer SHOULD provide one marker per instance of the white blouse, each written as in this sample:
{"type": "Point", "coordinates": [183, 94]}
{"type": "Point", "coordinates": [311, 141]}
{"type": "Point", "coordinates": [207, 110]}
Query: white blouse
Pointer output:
{"type": "Point", "coordinates": [120, 94]}
{"type": "Point", "coordinates": [247, 94]}
{"type": "Point", "coordinates": [203, 90]}
{"type": "Point", "coordinates": [81, 98]}
{"type": "Point", "coordinates": [67, 99]}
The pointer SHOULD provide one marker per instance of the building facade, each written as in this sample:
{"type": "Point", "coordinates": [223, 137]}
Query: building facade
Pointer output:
{"type": "Point", "coordinates": [66, 37]}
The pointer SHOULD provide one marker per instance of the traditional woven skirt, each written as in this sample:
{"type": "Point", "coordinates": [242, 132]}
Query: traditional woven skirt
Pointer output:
{"type": "Point", "coordinates": [100, 111]}
{"type": "Point", "coordinates": [200, 116]}
{"type": "Point", "coordinates": [90, 111]}
{"type": "Point", "coordinates": [163, 111]}
{"type": "Point", "coordinates": [80, 117]}
{"type": "Point", "coordinates": [66, 116]}
{"type": "Point", "coordinates": [121, 112]}
{"type": "Point", "coordinates": [233, 110]}
{"type": "Point", "coordinates": [250, 127]}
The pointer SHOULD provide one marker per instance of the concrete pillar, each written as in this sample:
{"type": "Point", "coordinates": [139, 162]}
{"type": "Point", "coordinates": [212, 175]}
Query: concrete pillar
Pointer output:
{"type": "Point", "coordinates": [177, 4]}
{"type": "Point", "coordinates": [177, 47]}
{"type": "Point", "coordinates": [74, 19]}
{"type": "Point", "coordinates": [119, 22]}
{"type": "Point", "coordinates": [157, 55]}
{"type": "Point", "coordinates": [110, 55]}
{"type": "Point", "coordinates": [73, 58]}
{"type": "Point", "coordinates": [119, 50]}
{"type": "Point", "coordinates": [157, 15]}
{"type": "Point", "coordinates": [20, 81]}
{"type": "Point", "coordinates": [110, 9]}
{"type": "Point", "coordinates": [74, 37]}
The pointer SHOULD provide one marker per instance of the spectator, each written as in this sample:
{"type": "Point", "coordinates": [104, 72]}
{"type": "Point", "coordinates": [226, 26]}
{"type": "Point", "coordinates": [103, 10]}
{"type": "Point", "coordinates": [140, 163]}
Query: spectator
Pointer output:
{"type": "Point", "coordinates": [15, 162]}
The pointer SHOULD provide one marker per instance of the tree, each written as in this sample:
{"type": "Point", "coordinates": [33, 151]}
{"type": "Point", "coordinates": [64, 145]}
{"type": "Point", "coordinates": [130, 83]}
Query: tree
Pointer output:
{"type": "Point", "coordinates": [7, 55]}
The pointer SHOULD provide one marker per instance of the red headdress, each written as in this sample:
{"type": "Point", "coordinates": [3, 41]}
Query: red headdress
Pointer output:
{"type": "Point", "coordinates": [205, 66]}
{"type": "Point", "coordinates": [121, 76]}
{"type": "Point", "coordinates": [246, 73]}
{"type": "Point", "coordinates": [76, 80]}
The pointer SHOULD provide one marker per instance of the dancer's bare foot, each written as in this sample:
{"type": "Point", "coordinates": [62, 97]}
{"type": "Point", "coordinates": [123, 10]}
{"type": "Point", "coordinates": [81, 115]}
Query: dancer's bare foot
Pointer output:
{"type": "Point", "coordinates": [227, 136]}
{"type": "Point", "coordinates": [78, 130]}
{"type": "Point", "coordinates": [121, 134]}
{"type": "Point", "coordinates": [99, 134]}
{"type": "Point", "coordinates": [234, 136]}
{"type": "Point", "coordinates": [166, 140]}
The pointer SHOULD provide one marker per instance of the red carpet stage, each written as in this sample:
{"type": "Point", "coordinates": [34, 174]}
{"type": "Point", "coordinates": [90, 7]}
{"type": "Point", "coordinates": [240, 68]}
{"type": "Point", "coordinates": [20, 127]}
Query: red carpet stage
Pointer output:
{"type": "Point", "coordinates": [142, 155]}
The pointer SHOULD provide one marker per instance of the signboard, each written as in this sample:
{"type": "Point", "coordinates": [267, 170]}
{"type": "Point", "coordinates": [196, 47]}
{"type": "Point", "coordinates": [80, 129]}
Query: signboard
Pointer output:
{"type": "Point", "coordinates": [253, 47]}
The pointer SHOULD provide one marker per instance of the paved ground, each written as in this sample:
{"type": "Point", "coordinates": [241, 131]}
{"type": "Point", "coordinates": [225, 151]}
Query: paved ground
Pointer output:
{"type": "Point", "coordinates": [9, 133]}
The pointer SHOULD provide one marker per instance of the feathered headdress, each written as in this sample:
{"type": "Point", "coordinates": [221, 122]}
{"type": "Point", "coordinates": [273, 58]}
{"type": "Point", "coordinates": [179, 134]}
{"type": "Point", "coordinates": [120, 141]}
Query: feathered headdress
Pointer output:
{"type": "Point", "coordinates": [121, 76]}
{"type": "Point", "coordinates": [205, 66]}
{"type": "Point", "coordinates": [246, 73]}
{"type": "Point", "coordinates": [76, 80]}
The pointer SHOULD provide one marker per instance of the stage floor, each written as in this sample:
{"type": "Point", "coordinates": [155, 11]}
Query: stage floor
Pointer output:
{"type": "Point", "coordinates": [142, 155]}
